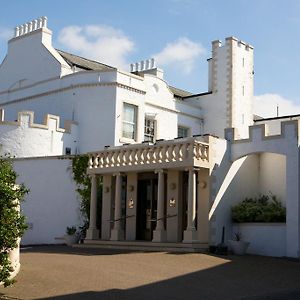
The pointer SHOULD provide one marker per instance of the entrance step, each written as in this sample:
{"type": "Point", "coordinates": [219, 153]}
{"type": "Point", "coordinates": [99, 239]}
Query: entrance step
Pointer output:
{"type": "Point", "coordinates": [145, 246]}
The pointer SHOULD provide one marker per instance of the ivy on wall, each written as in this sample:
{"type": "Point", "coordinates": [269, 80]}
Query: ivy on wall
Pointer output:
{"type": "Point", "coordinates": [12, 223]}
{"type": "Point", "coordinates": [83, 182]}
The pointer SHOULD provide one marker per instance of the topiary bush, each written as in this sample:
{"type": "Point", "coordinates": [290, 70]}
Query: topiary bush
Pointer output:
{"type": "Point", "coordinates": [12, 223]}
{"type": "Point", "coordinates": [264, 209]}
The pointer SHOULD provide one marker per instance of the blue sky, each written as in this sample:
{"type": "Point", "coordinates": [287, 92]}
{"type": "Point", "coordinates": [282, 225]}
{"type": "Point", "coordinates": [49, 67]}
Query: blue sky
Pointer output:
{"type": "Point", "coordinates": [179, 34]}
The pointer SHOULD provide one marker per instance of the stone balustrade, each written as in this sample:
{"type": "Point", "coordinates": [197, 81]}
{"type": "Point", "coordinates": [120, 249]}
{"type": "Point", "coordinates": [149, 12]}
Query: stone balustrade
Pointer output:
{"type": "Point", "coordinates": [176, 153]}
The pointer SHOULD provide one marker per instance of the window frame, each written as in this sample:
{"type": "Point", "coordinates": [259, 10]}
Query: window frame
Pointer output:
{"type": "Point", "coordinates": [151, 119]}
{"type": "Point", "coordinates": [188, 130]}
{"type": "Point", "coordinates": [134, 123]}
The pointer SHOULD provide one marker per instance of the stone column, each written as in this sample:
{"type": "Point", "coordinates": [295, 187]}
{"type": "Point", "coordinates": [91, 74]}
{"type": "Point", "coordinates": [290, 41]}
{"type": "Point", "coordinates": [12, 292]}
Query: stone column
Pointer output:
{"type": "Point", "coordinates": [190, 234]}
{"type": "Point", "coordinates": [159, 234]}
{"type": "Point", "coordinates": [93, 233]}
{"type": "Point", "coordinates": [117, 233]}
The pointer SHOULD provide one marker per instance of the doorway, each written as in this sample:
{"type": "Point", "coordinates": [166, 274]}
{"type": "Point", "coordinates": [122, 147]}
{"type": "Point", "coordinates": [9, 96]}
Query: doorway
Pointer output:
{"type": "Point", "coordinates": [146, 206]}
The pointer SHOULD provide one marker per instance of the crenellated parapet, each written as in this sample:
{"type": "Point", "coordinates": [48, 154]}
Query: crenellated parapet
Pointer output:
{"type": "Point", "coordinates": [25, 138]}
{"type": "Point", "coordinates": [260, 140]}
{"type": "Point", "coordinates": [26, 118]}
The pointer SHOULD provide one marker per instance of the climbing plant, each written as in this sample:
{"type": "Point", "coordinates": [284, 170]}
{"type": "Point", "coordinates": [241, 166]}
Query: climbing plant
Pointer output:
{"type": "Point", "coordinates": [83, 182]}
{"type": "Point", "coordinates": [12, 222]}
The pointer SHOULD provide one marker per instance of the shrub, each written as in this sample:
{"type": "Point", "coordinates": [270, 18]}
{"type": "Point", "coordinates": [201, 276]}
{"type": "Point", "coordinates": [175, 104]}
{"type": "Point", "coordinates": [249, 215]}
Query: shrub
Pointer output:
{"type": "Point", "coordinates": [12, 223]}
{"type": "Point", "coordinates": [262, 209]}
{"type": "Point", "coordinates": [71, 230]}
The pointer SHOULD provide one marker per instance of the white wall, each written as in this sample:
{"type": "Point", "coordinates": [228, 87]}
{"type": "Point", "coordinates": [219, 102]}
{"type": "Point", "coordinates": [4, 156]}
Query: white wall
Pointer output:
{"type": "Point", "coordinates": [265, 238]}
{"type": "Point", "coordinates": [272, 175]}
{"type": "Point", "coordinates": [52, 203]}
{"type": "Point", "coordinates": [24, 138]}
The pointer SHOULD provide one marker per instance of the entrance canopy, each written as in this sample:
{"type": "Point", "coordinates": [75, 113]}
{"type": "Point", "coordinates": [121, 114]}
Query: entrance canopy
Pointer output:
{"type": "Point", "coordinates": [179, 153]}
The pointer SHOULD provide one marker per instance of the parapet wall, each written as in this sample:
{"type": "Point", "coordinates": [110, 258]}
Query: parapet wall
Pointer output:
{"type": "Point", "coordinates": [260, 140]}
{"type": "Point", "coordinates": [24, 138]}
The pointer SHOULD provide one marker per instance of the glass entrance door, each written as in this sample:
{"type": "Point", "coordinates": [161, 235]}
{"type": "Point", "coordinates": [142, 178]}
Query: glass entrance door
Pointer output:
{"type": "Point", "coordinates": [146, 209]}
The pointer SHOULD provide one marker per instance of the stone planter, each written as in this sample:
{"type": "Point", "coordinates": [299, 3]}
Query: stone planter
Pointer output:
{"type": "Point", "coordinates": [238, 247]}
{"type": "Point", "coordinates": [71, 239]}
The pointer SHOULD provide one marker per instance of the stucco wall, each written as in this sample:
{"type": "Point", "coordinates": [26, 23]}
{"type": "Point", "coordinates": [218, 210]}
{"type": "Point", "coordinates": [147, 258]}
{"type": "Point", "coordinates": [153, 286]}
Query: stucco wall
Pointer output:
{"type": "Point", "coordinates": [24, 138]}
{"type": "Point", "coordinates": [52, 203]}
{"type": "Point", "coordinates": [265, 238]}
{"type": "Point", "coordinates": [272, 175]}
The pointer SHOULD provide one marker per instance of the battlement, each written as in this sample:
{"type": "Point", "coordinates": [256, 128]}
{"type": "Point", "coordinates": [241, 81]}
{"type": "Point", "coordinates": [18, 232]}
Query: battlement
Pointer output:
{"type": "Point", "coordinates": [31, 26]}
{"type": "Point", "coordinates": [231, 40]}
{"type": "Point", "coordinates": [25, 138]}
{"type": "Point", "coordinates": [257, 133]}
{"type": "Point", "coordinates": [26, 119]}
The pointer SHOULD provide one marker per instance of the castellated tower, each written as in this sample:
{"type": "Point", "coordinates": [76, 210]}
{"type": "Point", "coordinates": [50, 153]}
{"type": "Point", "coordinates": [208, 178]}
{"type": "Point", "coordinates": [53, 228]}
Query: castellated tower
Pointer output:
{"type": "Point", "coordinates": [231, 83]}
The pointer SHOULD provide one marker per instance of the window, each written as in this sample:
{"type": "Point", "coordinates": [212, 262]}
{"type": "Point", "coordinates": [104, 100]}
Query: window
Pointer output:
{"type": "Point", "coordinates": [149, 130]}
{"type": "Point", "coordinates": [183, 132]}
{"type": "Point", "coordinates": [68, 151]}
{"type": "Point", "coordinates": [129, 121]}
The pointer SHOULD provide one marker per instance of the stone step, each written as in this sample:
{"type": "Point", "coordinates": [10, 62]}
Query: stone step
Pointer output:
{"type": "Point", "coordinates": [145, 246]}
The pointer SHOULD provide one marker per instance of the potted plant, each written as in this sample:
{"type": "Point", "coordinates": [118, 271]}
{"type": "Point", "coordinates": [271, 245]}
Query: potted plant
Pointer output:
{"type": "Point", "coordinates": [71, 236]}
{"type": "Point", "coordinates": [238, 246]}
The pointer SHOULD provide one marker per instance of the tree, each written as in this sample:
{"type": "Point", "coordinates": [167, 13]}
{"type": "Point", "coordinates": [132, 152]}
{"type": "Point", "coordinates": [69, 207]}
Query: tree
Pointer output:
{"type": "Point", "coordinates": [12, 223]}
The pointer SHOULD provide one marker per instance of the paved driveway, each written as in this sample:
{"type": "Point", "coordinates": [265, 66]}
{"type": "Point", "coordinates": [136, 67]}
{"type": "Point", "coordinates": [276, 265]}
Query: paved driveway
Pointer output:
{"type": "Point", "coordinates": [61, 272]}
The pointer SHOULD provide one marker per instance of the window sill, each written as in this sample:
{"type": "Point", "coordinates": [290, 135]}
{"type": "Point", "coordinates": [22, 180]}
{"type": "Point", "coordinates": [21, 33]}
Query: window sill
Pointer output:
{"type": "Point", "coordinates": [124, 140]}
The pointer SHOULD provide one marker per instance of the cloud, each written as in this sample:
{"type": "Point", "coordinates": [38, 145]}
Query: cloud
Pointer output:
{"type": "Point", "coordinates": [180, 54]}
{"type": "Point", "coordinates": [266, 106]}
{"type": "Point", "coordinates": [5, 33]}
{"type": "Point", "coordinates": [99, 42]}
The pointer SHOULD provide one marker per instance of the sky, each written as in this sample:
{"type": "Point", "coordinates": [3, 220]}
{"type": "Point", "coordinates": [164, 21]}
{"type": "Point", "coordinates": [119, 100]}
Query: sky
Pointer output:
{"type": "Point", "coordinates": [178, 33]}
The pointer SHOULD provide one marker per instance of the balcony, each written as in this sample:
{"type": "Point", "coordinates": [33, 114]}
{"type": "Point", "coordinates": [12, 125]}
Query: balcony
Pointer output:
{"type": "Point", "coordinates": [177, 154]}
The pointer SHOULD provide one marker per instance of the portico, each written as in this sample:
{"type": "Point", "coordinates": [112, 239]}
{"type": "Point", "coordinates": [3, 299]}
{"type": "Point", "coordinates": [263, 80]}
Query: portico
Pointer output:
{"type": "Point", "coordinates": [152, 192]}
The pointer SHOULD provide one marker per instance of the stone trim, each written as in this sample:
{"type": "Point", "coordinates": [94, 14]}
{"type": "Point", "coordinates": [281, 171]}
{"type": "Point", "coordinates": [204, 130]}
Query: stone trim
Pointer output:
{"type": "Point", "coordinates": [74, 86]}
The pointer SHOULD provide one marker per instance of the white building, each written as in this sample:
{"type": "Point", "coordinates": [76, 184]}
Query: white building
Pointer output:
{"type": "Point", "coordinates": [170, 171]}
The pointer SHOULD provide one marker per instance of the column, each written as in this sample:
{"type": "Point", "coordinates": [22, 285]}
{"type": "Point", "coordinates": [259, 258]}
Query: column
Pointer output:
{"type": "Point", "coordinates": [190, 234]}
{"type": "Point", "coordinates": [117, 233]}
{"type": "Point", "coordinates": [93, 233]}
{"type": "Point", "coordinates": [159, 234]}
{"type": "Point", "coordinates": [203, 205]}
{"type": "Point", "coordinates": [107, 199]}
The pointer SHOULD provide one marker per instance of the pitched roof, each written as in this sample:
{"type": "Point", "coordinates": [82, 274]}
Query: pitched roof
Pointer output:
{"type": "Point", "coordinates": [83, 63]}
{"type": "Point", "coordinates": [179, 93]}
{"type": "Point", "coordinates": [88, 64]}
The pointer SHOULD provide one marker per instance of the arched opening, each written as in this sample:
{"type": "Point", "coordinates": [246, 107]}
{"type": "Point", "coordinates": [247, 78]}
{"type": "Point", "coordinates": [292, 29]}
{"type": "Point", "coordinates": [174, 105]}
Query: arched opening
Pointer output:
{"type": "Point", "coordinates": [261, 173]}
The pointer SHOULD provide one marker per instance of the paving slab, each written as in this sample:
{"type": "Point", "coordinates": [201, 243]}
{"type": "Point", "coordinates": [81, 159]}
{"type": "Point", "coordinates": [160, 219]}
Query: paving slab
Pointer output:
{"type": "Point", "coordinates": [61, 272]}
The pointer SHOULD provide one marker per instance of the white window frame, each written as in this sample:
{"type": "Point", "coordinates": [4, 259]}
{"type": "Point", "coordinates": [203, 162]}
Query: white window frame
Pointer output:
{"type": "Point", "coordinates": [134, 123]}
{"type": "Point", "coordinates": [188, 130]}
{"type": "Point", "coordinates": [152, 119]}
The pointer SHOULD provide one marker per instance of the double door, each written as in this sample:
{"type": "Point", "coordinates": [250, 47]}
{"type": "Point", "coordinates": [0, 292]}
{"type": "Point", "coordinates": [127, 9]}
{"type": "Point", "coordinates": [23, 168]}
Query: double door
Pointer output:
{"type": "Point", "coordinates": [146, 208]}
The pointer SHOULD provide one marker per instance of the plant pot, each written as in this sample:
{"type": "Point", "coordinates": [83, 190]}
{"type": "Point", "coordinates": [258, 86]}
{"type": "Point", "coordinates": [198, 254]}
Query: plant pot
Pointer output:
{"type": "Point", "coordinates": [71, 239]}
{"type": "Point", "coordinates": [238, 247]}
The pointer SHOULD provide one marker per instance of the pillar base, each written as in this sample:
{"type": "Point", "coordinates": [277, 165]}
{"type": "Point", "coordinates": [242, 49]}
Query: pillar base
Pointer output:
{"type": "Point", "coordinates": [190, 236]}
{"type": "Point", "coordinates": [117, 235]}
{"type": "Point", "coordinates": [159, 236]}
{"type": "Point", "coordinates": [92, 234]}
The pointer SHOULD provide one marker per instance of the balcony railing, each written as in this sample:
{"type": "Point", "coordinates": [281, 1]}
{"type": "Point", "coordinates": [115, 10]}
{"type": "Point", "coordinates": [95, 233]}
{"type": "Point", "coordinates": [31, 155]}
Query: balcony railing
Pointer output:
{"type": "Point", "coordinates": [165, 154]}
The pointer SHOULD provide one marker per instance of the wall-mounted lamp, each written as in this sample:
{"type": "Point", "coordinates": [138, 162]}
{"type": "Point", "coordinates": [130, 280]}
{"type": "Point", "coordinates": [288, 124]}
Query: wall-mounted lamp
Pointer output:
{"type": "Point", "coordinates": [173, 186]}
{"type": "Point", "coordinates": [130, 203]}
{"type": "Point", "coordinates": [202, 184]}
{"type": "Point", "coordinates": [131, 188]}
{"type": "Point", "coordinates": [172, 202]}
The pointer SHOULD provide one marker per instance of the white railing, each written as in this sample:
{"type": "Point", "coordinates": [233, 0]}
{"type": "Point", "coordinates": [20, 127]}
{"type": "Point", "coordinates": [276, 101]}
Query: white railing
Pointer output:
{"type": "Point", "coordinates": [185, 150]}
